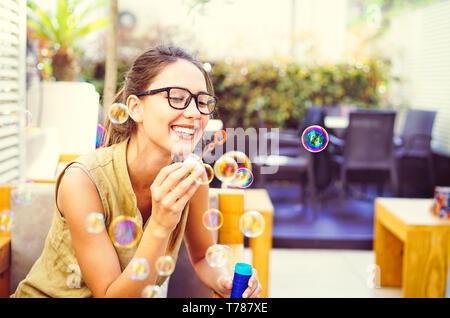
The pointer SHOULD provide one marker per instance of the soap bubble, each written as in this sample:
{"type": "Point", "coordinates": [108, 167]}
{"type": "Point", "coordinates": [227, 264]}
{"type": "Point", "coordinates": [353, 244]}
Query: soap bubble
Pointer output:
{"type": "Point", "coordinates": [100, 140]}
{"type": "Point", "coordinates": [206, 177]}
{"type": "Point", "coordinates": [139, 268]}
{"type": "Point", "coordinates": [22, 192]}
{"type": "Point", "coordinates": [252, 224]}
{"type": "Point", "coordinates": [212, 219]}
{"type": "Point", "coordinates": [165, 265]}
{"type": "Point", "coordinates": [6, 220]}
{"type": "Point", "coordinates": [241, 159]}
{"type": "Point", "coordinates": [243, 179]}
{"type": "Point", "coordinates": [95, 222]}
{"type": "Point", "coordinates": [124, 231]}
{"type": "Point", "coordinates": [118, 113]}
{"type": "Point", "coordinates": [217, 255]}
{"type": "Point", "coordinates": [315, 138]}
{"type": "Point", "coordinates": [225, 168]}
{"type": "Point", "coordinates": [151, 291]}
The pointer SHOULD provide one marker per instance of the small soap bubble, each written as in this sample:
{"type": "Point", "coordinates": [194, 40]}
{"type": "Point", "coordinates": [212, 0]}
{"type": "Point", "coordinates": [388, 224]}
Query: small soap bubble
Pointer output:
{"type": "Point", "coordinates": [213, 219]}
{"type": "Point", "coordinates": [243, 179]}
{"type": "Point", "coordinates": [315, 138]}
{"type": "Point", "coordinates": [217, 255]}
{"type": "Point", "coordinates": [95, 222]}
{"type": "Point", "coordinates": [165, 265]}
{"type": "Point", "coordinates": [252, 224]}
{"type": "Point", "coordinates": [118, 113]}
{"type": "Point", "coordinates": [151, 291]}
{"type": "Point", "coordinates": [22, 192]}
{"type": "Point", "coordinates": [225, 168]}
{"type": "Point", "coordinates": [100, 140]}
{"type": "Point", "coordinates": [139, 268]}
{"type": "Point", "coordinates": [124, 231]}
{"type": "Point", "coordinates": [241, 159]}
{"type": "Point", "coordinates": [6, 220]}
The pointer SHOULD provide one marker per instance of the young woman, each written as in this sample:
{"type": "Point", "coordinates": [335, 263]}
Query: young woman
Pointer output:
{"type": "Point", "coordinates": [169, 97]}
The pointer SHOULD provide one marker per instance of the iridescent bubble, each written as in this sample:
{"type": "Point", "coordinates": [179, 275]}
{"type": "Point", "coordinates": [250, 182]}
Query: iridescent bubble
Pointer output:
{"type": "Point", "coordinates": [252, 224]}
{"type": "Point", "coordinates": [22, 192]}
{"type": "Point", "coordinates": [100, 140]}
{"type": "Point", "coordinates": [243, 179]}
{"type": "Point", "coordinates": [124, 231]}
{"type": "Point", "coordinates": [165, 265]}
{"type": "Point", "coordinates": [151, 291]}
{"type": "Point", "coordinates": [206, 177]}
{"type": "Point", "coordinates": [139, 268]}
{"type": "Point", "coordinates": [217, 255]}
{"type": "Point", "coordinates": [118, 113]}
{"type": "Point", "coordinates": [225, 168]}
{"type": "Point", "coordinates": [241, 159]}
{"type": "Point", "coordinates": [95, 222]}
{"type": "Point", "coordinates": [6, 220]}
{"type": "Point", "coordinates": [212, 219]}
{"type": "Point", "coordinates": [315, 138]}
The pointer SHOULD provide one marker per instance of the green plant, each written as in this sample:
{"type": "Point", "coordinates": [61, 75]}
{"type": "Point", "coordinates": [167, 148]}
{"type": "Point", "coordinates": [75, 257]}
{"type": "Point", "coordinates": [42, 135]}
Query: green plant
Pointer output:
{"type": "Point", "coordinates": [70, 23]}
{"type": "Point", "coordinates": [283, 90]}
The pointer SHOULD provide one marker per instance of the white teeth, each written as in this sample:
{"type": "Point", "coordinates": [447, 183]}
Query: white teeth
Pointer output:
{"type": "Point", "coordinates": [183, 130]}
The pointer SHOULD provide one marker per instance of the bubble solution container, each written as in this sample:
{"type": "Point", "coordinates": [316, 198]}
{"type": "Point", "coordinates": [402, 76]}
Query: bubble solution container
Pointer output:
{"type": "Point", "coordinates": [242, 273]}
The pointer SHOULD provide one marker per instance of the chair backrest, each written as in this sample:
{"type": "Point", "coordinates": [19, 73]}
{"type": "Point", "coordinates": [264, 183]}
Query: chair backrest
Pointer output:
{"type": "Point", "coordinates": [369, 140]}
{"type": "Point", "coordinates": [315, 115]}
{"type": "Point", "coordinates": [418, 122]}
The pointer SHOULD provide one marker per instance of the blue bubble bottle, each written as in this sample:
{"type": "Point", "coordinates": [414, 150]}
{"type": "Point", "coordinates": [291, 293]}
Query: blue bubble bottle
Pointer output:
{"type": "Point", "coordinates": [242, 273]}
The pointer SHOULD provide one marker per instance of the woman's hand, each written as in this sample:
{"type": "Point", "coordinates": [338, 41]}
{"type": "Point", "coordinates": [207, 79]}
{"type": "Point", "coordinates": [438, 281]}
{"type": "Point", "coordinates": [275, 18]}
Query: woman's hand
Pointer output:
{"type": "Point", "coordinates": [254, 289]}
{"type": "Point", "coordinates": [171, 190]}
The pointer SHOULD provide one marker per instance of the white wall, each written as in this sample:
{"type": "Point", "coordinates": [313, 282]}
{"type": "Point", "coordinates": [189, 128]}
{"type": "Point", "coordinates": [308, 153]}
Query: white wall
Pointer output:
{"type": "Point", "coordinates": [420, 50]}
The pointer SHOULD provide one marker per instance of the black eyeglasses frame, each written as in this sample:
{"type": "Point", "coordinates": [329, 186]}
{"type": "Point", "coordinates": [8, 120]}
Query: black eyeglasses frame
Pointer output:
{"type": "Point", "coordinates": [188, 101]}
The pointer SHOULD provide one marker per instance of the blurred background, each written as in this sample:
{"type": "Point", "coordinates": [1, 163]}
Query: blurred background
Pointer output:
{"type": "Point", "coordinates": [374, 73]}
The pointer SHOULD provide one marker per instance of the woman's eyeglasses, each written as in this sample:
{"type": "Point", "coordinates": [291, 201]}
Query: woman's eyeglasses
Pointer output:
{"type": "Point", "coordinates": [179, 98]}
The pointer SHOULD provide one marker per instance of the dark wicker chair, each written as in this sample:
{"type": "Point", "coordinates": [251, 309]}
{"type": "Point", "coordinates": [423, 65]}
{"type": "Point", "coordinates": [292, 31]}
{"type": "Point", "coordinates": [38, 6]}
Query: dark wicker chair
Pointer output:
{"type": "Point", "coordinates": [415, 142]}
{"type": "Point", "coordinates": [368, 146]}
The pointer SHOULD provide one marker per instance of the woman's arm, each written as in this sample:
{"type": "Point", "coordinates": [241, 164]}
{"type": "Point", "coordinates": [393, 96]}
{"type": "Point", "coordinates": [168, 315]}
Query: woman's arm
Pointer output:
{"type": "Point", "coordinates": [198, 239]}
{"type": "Point", "coordinates": [95, 253]}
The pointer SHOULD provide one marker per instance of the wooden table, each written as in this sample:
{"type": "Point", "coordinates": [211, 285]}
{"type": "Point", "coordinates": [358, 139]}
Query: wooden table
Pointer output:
{"type": "Point", "coordinates": [233, 206]}
{"type": "Point", "coordinates": [412, 247]}
{"type": "Point", "coordinates": [5, 261]}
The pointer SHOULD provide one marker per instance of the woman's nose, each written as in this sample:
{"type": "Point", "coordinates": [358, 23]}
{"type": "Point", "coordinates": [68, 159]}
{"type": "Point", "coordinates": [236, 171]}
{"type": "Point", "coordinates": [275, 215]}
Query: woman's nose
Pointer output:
{"type": "Point", "coordinates": [192, 110]}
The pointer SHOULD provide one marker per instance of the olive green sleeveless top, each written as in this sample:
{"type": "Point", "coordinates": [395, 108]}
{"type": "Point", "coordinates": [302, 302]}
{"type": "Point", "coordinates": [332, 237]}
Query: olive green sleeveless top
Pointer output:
{"type": "Point", "coordinates": [56, 272]}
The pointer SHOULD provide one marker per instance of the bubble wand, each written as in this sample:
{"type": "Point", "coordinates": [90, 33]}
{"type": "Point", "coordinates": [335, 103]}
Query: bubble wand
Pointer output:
{"type": "Point", "coordinates": [212, 145]}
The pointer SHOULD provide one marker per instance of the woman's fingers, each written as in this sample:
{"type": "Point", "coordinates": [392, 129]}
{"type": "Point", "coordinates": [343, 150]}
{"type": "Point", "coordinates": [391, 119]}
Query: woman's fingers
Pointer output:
{"type": "Point", "coordinates": [164, 172]}
{"type": "Point", "coordinates": [172, 177]}
{"type": "Point", "coordinates": [183, 191]}
{"type": "Point", "coordinates": [254, 287]}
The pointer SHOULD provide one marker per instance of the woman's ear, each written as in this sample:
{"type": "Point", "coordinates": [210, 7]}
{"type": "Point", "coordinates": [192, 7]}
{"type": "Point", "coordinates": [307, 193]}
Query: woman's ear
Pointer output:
{"type": "Point", "coordinates": [135, 105]}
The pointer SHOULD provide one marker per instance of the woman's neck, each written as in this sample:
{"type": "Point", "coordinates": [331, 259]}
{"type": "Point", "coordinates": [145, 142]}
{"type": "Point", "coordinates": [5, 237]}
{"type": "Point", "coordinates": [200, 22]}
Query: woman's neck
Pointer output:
{"type": "Point", "coordinates": [144, 161]}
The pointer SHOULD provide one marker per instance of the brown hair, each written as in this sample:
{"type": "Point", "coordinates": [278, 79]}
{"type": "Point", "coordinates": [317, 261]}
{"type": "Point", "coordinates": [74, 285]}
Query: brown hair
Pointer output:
{"type": "Point", "coordinates": [143, 70]}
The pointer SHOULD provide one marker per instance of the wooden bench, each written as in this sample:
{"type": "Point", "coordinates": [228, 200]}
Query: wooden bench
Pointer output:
{"type": "Point", "coordinates": [412, 246]}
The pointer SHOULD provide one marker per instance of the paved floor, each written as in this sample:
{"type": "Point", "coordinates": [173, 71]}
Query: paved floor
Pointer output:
{"type": "Point", "coordinates": [317, 273]}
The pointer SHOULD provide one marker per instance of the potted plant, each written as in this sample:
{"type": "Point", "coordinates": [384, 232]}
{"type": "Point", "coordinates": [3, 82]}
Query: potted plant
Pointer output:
{"type": "Point", "coordinates": [66, 103]}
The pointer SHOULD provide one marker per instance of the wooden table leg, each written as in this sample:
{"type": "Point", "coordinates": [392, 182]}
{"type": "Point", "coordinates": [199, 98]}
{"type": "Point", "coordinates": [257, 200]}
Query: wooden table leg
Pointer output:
{"type": "Point", "coordinates": [425, 263]}
{"type": "Point", "coordinates": [388, 255]}
{"type": "Point", "coordinates": [261, 247]}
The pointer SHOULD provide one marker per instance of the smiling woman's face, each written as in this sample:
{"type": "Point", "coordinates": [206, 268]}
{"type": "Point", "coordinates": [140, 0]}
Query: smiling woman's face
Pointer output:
{"type": "Point", "coordinates": [176, 131]}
